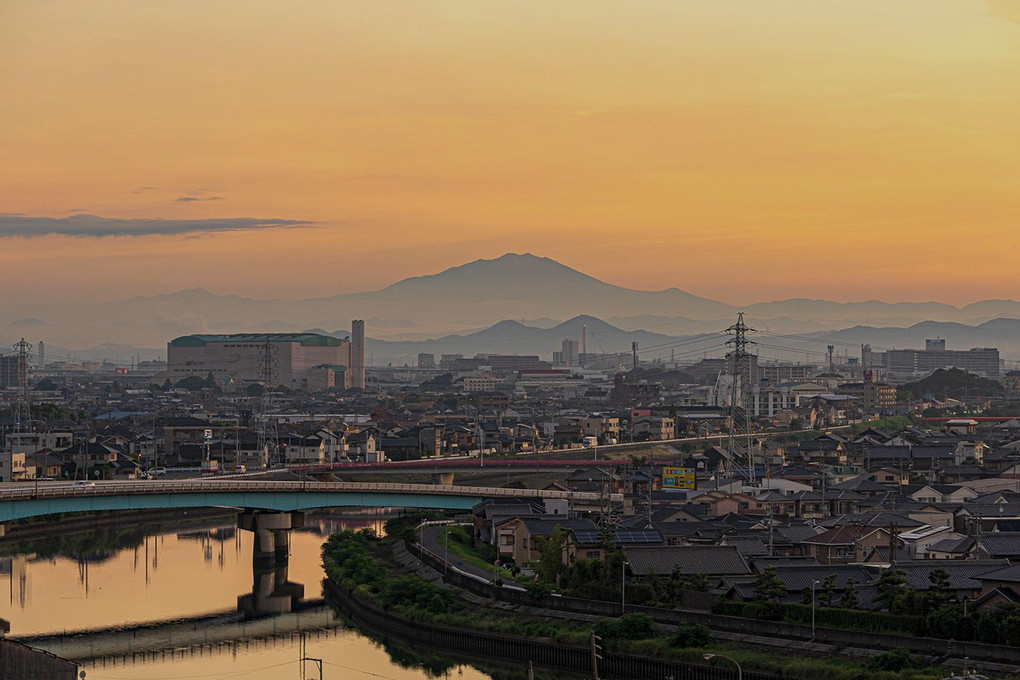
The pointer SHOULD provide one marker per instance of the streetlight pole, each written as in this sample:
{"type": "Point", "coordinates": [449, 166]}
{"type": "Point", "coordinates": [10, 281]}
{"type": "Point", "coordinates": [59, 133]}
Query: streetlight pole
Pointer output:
{"type": "Point", "coordinates": [446, 552]}
{"type": "Point", "coordinates": [623, 588]}
{"type": "Point", "coordinates": [813, 584]}
{"type": "Point", "coordinates": [740, 671]}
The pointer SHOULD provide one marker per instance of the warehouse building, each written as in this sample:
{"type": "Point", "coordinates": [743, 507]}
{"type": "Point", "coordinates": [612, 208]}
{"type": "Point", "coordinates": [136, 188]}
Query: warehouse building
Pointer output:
{"type": "Point", "coordinates": [299, 360]}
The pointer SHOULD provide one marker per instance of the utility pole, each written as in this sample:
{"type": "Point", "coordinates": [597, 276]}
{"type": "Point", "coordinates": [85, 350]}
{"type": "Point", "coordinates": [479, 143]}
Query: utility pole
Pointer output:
{"type": "Point", "coordinates": [739, 361]}
{"type": "Point", "coordinates": [303, 651]}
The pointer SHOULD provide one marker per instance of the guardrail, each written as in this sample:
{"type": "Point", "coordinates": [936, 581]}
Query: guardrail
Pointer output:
{"type": "Point", "coordinates": [50, 490]}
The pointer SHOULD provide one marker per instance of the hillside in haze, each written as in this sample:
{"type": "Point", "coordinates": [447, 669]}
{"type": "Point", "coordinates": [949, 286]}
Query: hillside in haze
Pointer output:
{"type": "Point", "coordinates": [477, 295]}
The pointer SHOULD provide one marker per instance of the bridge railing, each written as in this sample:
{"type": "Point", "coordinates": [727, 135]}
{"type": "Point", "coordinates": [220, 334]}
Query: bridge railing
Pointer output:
{"type": "Point", "coordinates": [28, 491]}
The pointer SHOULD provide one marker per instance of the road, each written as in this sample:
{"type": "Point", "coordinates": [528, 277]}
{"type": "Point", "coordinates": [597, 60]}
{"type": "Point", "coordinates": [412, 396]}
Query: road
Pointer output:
{"type": "Point", "coordinates": [433, 538]}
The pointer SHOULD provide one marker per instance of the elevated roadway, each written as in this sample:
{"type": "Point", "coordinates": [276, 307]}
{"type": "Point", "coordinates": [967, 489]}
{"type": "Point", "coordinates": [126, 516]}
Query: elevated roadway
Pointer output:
{"type": "Point", "coordinates": [21, 500]}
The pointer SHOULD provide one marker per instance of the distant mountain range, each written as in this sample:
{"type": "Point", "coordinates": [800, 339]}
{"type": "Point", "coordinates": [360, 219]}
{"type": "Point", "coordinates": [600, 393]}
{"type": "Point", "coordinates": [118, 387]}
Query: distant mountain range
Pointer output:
{"type": "Point", "coordinates": [432, 311]}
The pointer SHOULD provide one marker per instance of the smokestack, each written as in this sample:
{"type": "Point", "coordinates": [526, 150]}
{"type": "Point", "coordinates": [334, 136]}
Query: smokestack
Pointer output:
{"type": "Point", "coordinates": [42, 355]}
{"type": "Point", "coordinates": [358, 354]}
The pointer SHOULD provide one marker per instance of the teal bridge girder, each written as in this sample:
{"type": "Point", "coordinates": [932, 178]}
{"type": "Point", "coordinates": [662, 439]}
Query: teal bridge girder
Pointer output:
{"type": "Point", "coordinates": [22, 500]}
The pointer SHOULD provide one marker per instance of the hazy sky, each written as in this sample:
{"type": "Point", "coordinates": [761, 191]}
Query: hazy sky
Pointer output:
{"type": "Point", "coordinates": [744, 150]}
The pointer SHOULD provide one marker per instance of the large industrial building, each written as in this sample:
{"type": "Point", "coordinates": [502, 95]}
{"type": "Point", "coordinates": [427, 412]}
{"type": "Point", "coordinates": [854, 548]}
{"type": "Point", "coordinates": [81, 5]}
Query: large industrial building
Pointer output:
{"type": "Point", "coordinates": [299, 360]}
{"type": "Point", "coordinates": [912, 363]}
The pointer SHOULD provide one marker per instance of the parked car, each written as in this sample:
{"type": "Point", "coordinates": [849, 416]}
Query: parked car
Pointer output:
{"type": "Point", "coordinates": [84, 483]}
{"type": "Point", "coordinates": [157, 472]}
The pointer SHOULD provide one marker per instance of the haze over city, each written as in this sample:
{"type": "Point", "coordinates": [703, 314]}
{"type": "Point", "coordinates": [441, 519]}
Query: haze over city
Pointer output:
{"type": "Point", "coordinates": [740, 151]}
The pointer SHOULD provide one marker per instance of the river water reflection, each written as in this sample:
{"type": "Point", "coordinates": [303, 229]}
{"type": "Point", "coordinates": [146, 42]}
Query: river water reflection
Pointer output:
{"type": "Point", "coordinates": [200, 573]}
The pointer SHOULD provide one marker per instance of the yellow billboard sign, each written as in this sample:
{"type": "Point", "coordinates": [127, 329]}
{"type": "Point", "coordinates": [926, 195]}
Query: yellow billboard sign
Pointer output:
{"type": "Point", "coordinates": [678, 478]}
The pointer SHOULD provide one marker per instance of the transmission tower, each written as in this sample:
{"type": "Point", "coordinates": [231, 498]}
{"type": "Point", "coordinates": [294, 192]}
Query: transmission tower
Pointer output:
{"type": "Point", "coordinates": [268, 436]}
{"type": "Point", "coordinates": [22, 407]}
{"type": "Point", "coordinates": [740, 416]}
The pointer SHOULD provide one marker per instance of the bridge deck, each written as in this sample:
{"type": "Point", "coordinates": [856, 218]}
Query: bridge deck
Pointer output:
{"type": "Point", "coordinates": [29, 500]}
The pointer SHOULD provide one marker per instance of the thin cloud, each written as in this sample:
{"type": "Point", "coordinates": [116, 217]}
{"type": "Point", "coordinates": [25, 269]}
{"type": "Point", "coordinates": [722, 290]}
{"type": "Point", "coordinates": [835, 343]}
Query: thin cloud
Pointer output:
{"type": "Point", "coordinates": [193, 199]}
{"type": "Point", "coordinates": [142, 190]}
{"type": "Point", "coordinates": [92, 226]}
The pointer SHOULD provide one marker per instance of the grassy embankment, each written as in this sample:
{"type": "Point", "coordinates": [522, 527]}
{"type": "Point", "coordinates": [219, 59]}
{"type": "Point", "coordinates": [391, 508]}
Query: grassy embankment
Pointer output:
{"type": "Point", "coordinates": [358, 561]}
{"type": "Point", "coordinates": [461, 548]}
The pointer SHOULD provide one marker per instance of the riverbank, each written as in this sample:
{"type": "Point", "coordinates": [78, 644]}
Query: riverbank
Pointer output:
{"type": "Point", "coordinates": [359, 565]}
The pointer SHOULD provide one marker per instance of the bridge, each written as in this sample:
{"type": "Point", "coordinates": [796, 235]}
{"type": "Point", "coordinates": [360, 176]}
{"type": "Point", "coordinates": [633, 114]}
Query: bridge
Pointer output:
{"type": "Point", "coordinates": [21, 500]}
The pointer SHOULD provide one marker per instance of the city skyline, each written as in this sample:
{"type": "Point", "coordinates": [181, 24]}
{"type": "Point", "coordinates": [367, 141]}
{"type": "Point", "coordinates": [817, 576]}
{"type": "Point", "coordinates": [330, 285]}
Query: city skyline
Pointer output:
{"type": "Point", "coordinates": [738, 151]}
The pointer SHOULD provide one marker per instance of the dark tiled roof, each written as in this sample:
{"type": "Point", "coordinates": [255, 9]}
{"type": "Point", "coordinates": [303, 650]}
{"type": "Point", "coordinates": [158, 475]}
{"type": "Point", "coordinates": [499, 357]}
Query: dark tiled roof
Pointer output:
{"type": "Point", "coordinates": [879, 518]}
{"type": "Point", "coordinates": [747, 546]}
{"type": "Point", "coordinates": [844, 535]}
{"type": "Point", "coordinates": [797, 533]}
{"type": "Point", "coordinates": [962, 573]}
{"type": "Point", "coordinates": [1003, 544]}
{"type": "Point", "coordinates": [1010, 574]}
{"type": "Point", "coordinates": [713, 560]}
{"type": "Point", "coordinates": [797, 578]}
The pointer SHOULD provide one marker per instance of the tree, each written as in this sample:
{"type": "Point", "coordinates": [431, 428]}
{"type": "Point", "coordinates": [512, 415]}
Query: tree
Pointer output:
{"type": "Point", "coordinates": [192, 383]}
{"type": "Point", "coordinates": [46, 385]}
{"type": "Point", "coordinates": [551, 564]}
{"type": "Point", "coordinates": [940, 592]}
{"type": "Point", "coordinates": [850, 599]}
{"type": "Point", "coordinates": [890, 587]}
{"type": "Point", "coordinates": [828, 590]}
{"type": "Point", "coordinates": [769, 587]}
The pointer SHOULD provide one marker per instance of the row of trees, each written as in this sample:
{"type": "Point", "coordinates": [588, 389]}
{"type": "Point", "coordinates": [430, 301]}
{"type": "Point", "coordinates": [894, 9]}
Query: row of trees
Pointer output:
{"type": "Point", "coordinates": [933, 612]}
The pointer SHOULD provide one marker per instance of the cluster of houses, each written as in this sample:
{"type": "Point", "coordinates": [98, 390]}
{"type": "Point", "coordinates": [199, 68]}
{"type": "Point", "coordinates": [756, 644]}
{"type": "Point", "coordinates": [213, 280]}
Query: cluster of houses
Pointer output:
{"type": "Point", "coordinates": [826, 517]}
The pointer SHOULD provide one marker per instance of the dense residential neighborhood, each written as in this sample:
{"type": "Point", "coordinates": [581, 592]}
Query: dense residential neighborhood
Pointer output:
{"type": "Point", "coordinates": [836, 475]}
{"type": "Point", "coordinates": [720, 484]}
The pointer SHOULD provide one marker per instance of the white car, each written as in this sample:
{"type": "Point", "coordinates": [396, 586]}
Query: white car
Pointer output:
{"type": "Point", "coordinates": [84, 483]}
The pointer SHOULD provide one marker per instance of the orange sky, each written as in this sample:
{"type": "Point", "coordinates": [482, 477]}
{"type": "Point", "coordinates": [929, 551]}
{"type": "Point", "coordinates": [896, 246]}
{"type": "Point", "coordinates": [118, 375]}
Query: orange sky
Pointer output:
{"type": "Point", "coordinates": [737, 149]}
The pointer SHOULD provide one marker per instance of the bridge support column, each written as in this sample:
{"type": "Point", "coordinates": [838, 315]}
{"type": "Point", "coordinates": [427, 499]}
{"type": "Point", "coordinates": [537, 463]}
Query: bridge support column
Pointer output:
{"type": "Point", "coordinates": [272, 532]}
{"type": "Point", "coordinates": [272, 592]}
{"type": "Point", "coordinates": [443, 478]}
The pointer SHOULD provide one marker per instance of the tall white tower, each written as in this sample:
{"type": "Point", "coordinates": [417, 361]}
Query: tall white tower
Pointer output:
{"type": "Point", "coordinates": [358, 354]}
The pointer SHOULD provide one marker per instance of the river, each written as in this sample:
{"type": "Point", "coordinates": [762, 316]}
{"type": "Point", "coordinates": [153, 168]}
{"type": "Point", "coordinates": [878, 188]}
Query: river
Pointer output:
{"type": "Point", "coordinates": [200, 572]}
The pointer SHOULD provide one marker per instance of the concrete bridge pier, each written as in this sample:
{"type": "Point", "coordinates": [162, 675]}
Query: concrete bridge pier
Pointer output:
{"type": "Point", "coordinates": [272, 592]}
{"type": "Point", "coordinates": [272, 533]}
{"type": "Point", "coordinates": [442, 478]}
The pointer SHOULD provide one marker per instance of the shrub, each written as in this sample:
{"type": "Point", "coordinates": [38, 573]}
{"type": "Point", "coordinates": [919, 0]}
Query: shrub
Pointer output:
{"type": "Point", "coordinates": [640, 593]}
{"type": "Point", "coordinates": [690, 635]}
{"type": "Point", "coordinates": [627, 627]}
{"type": "Point", "coordinates": [895, 660]}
